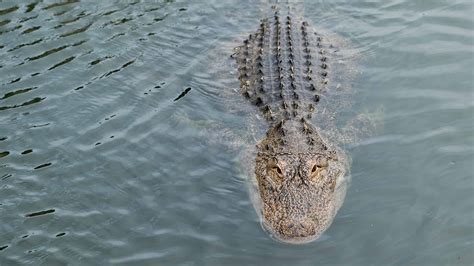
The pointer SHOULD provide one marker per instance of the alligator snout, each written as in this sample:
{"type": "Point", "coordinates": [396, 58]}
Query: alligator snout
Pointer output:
{"type": "Point", "coordinates": [300, 228]}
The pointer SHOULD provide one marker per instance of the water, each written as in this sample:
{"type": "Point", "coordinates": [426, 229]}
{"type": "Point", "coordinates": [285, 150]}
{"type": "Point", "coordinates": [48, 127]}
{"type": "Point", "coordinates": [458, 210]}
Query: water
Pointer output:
{"type": "Point", "coordinates": [100, 166]}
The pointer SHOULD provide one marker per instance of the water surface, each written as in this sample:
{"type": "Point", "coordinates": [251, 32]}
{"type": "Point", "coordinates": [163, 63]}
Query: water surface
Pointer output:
{"type": "Point", "coordinates": [98, 164]}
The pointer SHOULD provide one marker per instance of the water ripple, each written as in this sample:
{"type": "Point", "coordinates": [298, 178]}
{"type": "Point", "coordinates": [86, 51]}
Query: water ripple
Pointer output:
{"type": "Point", "coordinates": [98, 164]}
{"type": "Point", "coordinates": [8, 10]}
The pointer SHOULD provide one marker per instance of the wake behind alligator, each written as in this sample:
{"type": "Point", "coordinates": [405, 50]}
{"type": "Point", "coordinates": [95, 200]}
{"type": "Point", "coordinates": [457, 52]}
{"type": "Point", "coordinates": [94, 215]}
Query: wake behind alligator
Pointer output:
{"type": "Point", "coordinates": [283, 70]}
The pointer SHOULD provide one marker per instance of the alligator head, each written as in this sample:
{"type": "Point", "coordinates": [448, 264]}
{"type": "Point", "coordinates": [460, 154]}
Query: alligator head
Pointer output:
{"type": "Point", "coordinates": [298, 176]}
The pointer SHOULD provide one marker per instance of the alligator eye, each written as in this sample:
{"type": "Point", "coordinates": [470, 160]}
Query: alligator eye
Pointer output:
{"type": "Point", "coordinates": [320, 165]}
{"type": "Point", "coordinates": [317, 169]}
{"type": "Point", "coordinates": [277, 173]}
{"type": "Point", "coordinates": [278, 170]}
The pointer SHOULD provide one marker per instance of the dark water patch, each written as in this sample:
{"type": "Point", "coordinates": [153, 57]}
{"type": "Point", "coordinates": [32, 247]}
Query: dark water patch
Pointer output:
{"type": "Point", "coordinates": [76, 31]}
{"type": "Point", "coordinates": [152, 9]}
{"type": "Point", "coordinates": [60, 4]}
{"type": "Point", "coordinates": [40, 125]}
{"type": "Point", "coordinates": [160, 18]}
{"type": "Point", "coordinates": [90, 51]}
{"type": "Point", "coordinates": [116, 35]}
{"type": "Point", "coordinates": [98, 60]}
{"type": "Point", "coordinates": [118, 69]}
{"type": "Point", "coordinates": [26, 151]}
{"type": "Point", "coordinates": [12, 29]}
{"type": "Point", "coordinates": [3, 247]}
{"type": "Point", "coordinates": [110, 12]}
{"type": "Point", "coordinates": [110, 117]}
{"type": "Point", "coordinates": [146, 93]}
{"type": "Point", "coordinates": [68, 21]}
{"type": "Point", "coordinates": [60, 13]}
{"type": "Point", "coordinates": [33, 101]}
{"type": "Point", "coordinates": [32, 29]}
{"type": "Point", "coordinates": [116, 22]}
{"type": "Point", "coordinates": [98, 143]}
{"type": "Point", "coordinates": [27, 18]}
{"type": "Point", "coordinates": [30, 7]}
{"type": "Point", "coordinates": [34, 214]}
{"type": "Point", "coordinates": [182, 9]}
{"type": "Point", "coordinates": [25, 236]}
{"type": "Point", "coordinates": [3, 138]}
{"type": "Point", "coordinates": [49, 52]}
{"type": "Point", "coordinates": [65, 61]}
{"type": "Point", "coordinates": [60, 234]}
{"type": "Point", "coordinates": [79, 88]}
{"type": "Point", "coordinates": [4, 154]}
{"type": "Point", "coordinates": [6, 176]}
{"type": "Point", "coordinates": [8, 10]}
{"type": "Point", "coordinates": [13, 93]}
{"type": "Point", "coordinates": [79, 43]}
{"type": "Point", "coordinates": [123, 20]}
{"type": "Point", "coordinates": [107, 119]}
{"type": "Point", "coordinates": [128, 63]}
{"type": "Point", "coordinates": [4, 22]}
{"type": "Point", "coordinates": [25, 44]}
{"type": "Point", "coordinates": [42, 166]}
{"type": "Point", "coordinates": [65, 22]}
{"type": "Point", "coordinates": [14, 80]}
{"type": "Point", "coordinates": [35, 74]}
{"type": "Point", "coordinates": [183, 94]}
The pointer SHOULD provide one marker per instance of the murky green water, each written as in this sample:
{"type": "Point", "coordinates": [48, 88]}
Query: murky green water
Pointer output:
{"type": "Point", "coordinates": [98, 164]}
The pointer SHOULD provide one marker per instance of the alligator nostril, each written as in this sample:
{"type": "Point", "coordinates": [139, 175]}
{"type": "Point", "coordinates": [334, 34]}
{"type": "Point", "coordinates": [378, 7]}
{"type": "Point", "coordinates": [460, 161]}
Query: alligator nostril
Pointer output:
{"type": "Point", "coordinates": [303, 227]}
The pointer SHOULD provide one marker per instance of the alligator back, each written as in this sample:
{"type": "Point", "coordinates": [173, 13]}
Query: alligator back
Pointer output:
{"type": "Point", "coordinates": [283, 68]}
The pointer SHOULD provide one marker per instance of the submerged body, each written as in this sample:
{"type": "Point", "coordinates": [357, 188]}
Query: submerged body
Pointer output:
{"type": "Point", "coordinates": [283, 70]}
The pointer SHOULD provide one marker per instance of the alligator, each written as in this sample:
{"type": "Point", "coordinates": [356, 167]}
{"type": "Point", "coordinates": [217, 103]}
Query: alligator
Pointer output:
{"type": "Point", "coordinates": [283, 68]}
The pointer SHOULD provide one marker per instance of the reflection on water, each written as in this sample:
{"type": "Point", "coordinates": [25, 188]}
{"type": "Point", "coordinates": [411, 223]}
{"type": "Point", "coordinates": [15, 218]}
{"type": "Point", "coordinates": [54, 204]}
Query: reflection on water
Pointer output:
{"type": "Point", "coordinates": [99, 165]}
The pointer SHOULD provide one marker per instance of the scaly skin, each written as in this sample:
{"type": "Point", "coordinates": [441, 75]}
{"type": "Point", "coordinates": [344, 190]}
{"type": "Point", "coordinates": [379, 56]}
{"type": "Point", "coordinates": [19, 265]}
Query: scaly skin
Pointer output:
{"type": "Point", "coordinates": [300, 176]}
{"type": "Point", "coordinates": [297, 175]}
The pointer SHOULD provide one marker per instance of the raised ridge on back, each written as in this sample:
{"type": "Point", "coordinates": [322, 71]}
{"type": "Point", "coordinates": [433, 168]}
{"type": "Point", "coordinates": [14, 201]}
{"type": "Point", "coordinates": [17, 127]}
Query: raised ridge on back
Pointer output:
{"type": "Point", "coordinates": [283, 68]}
